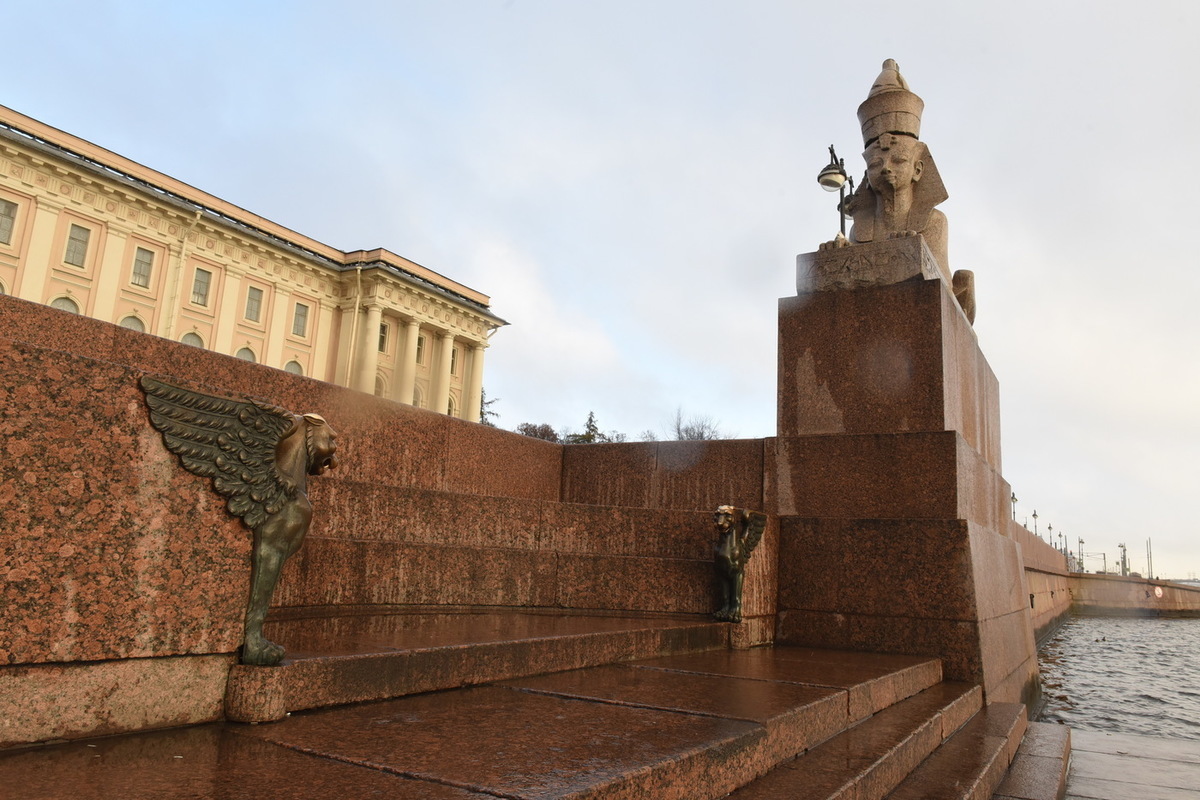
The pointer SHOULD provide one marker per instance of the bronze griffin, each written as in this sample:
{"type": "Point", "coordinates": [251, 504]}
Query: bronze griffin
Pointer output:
{"type": "Point", "coordinates": [739, 532]}
{"type": "Point", "coordinates": [258, 457]}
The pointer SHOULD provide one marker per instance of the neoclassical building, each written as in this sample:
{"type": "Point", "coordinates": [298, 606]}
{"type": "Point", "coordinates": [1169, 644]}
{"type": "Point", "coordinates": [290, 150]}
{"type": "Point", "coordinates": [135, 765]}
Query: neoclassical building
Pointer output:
{"type": "Point", "coordinates": [86, 230]}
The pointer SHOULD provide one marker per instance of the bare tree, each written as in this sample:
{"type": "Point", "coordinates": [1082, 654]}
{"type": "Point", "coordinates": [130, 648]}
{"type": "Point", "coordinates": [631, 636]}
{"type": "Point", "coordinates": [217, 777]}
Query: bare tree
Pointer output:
{"type": "Point", "coordinates": [542, 431]}
{"type": "Point", "coordinates": [694, 428]}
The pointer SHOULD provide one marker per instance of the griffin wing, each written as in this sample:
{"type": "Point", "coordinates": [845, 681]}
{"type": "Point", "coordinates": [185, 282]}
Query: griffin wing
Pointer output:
{"type": "Point", "coordinates": [230, 441]}
{"type": "Point", "coordinates": [756, 523]}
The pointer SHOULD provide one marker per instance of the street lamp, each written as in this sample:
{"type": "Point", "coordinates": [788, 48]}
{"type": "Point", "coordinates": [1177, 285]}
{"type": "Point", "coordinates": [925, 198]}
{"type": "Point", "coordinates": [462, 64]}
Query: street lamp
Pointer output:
{"type": "Point", "coordinates": [1081, 569]}
{"type": "Point", "coordinates": [833, 178]}
{"type": "Point", "coordinates": [1035, 525]}
{"type": "Point", "coordinates": [1013, 499]}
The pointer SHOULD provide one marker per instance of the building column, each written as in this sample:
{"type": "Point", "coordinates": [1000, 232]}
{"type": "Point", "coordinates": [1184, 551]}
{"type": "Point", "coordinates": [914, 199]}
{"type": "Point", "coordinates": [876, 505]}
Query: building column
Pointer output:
{"type": "Point", "coordinates": [278, 328]}
{"type": "Point", "coordinates": [441, 387]}
{"type": "Point", "coordinates": [110, 276]}
{"type": "Point", "coordinates": [31, 283]}
{"type": "Point", "coordinates": [230, 312]}
{"type": "Point", "coordinates": [408, 363]}
{"type": "Point", "coordinates": [368, 350]}
{"type": "Point", "coordinates": [344, 362]}
{"type": "Point", "coordinates": [474, 387]}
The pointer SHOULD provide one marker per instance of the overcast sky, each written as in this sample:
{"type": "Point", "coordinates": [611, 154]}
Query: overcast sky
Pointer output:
{"type": "Point", "coordinates": [631, 183]}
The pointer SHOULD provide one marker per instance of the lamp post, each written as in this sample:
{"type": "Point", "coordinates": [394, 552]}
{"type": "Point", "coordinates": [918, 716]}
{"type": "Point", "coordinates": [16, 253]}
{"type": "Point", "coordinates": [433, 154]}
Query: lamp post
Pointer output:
{"type": "Point", "coordinates": [833, 178]}
{"type": "Point", "coordinates": [1081, 569]}
{"type": "Point", "coordinates": [1035, 533]}
{"type": "Point", "coordinates": [1013, 500]}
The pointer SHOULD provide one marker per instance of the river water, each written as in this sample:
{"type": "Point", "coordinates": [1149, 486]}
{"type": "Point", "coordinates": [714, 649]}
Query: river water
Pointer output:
{"type": "Point", "coordinates": [1123, 675]}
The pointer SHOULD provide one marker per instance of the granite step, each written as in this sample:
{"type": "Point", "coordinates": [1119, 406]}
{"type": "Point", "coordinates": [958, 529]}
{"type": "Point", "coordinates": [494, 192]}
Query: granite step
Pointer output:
{"type": "Point", "coordinates": [694, 726]}
{"type": "Point", "coordinates": [336, 659]}
{"type": "Point", "coordinates": [868, 761]}
{"type": "Point", "coordinates": [1039, 772]}
{"type": "Point", "coordinates": [971, 764]}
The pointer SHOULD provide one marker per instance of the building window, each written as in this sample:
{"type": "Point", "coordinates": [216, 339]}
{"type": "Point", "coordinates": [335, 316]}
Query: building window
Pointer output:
{"type": "Point", "coordinates": [246, 354]}
{"type": "Point", "coordinates": [77, 246]}
{"type": "Point", "coordinates": [451, 408]}
{"type": "Point", "coordinates": [134, 324]}
{"type": "Point", "coordinates": [383, 337]}
{"type": "Point", "coordinates": [65, 304]}
{"type": "Point", "coordinates": [2, 289]}
{"type": "Point", "coordinates": [200, 286]}
{"type": "Point", "coordinates": [254, 297]}
{"type": "Point", "coordinates": [293, 368]}
{"type": "Point", "coordinates": [8, 221]}
{"type": "Point", "coordinates": [453, 360]}
{"type": "Point", "coordinates": [380, 386]}
{"type": "Point", "coordinates": [420, 350]}
{"type": "Point", "coordinates": [192, 339]}
{"type": "Point", "coordinates": [143, 263]}
{"type": "Point", "coordinates": [300, 320]}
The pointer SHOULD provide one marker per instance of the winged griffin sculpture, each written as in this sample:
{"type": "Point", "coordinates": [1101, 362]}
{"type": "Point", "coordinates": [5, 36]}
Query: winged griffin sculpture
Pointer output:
{"type": "Point", "coordinates": [258, 457]}
{"type": "Point", "coordinates": [739, 531]}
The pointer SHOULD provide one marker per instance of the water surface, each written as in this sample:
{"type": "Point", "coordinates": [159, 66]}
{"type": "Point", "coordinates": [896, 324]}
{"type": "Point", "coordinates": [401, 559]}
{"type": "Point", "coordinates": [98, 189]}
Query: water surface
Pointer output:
{"type": "Point", "coordinates": [1123, 675]}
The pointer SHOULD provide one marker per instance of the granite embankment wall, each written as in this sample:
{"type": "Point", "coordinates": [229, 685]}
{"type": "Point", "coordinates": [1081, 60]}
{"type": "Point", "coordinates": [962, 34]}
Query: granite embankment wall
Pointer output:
{"type": "Point", "coordinates": [123, 580]}
{"type": "Point", "coordinates": [1115, 595]}
{"type": "Point", "coordinates": [1048, 579]}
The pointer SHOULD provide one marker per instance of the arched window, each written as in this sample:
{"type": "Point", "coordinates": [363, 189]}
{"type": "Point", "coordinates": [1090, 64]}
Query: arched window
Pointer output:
{"type": "Point", "coordinates": [418, 400]}
{"type": "Point", "coordinates": [380, 386]}
{"type": "Point", "coordinates": [452, 408]}
{"type": "Point", "coordinates": [2, 289]}
{"type": "Point", "coordinates": [193, 339]}
{"type": "Point", "coordinates": [65, 304]}
{"type": "Point", "coordinates": [134, 324]}
{"type": "Point", "coordinates": [246, 354]}
{"type": "Point", "coordinates": [293, 368]}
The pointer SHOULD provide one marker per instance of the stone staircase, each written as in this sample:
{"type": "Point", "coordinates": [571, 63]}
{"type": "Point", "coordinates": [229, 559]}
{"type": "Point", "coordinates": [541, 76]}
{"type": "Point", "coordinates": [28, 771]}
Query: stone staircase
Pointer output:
{"type": "Point", "coordinates": [540, 705]}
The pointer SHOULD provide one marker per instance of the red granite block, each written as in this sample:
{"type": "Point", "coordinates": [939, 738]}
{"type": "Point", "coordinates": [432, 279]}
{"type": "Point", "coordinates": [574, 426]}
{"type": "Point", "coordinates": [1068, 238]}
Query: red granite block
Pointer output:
{"type": "Point", "coordinates": [796, 717]}
{"type": "Point", "coordinates": [869, 760]}
{"type": "Point", "coordinates": [415, 653]}
{"type": "Point", "coordinates": [491, 461]}
{"type": "Point", "coordinates": [1000, 583]}
{"type": "Point", "coordinates": [43, 702]}
{"type": "Point", "coordinates": [884, 360]}
{"type": "Point", "coordinates": [896, 568]}
{"type": "Point", "coordinates": [1009, 658]}
{"type": "Point", "coordinates": [694, 475]}
{"type": "Point", "coordinates": [329, 572]}
{"type": "Point", "coordinates": [971, 764]}
{"type": "Point", "coordinates": [520, 744]}
{"type": "Point", "coordinates": [200, 762]}
{"type": "Point", "coordinates": [671, 585]}
{"type": "Point", "coordinates": [707, 474]}
{"type": "Point", "coordinates": [870, 476]}
{"type": "Point", "coordinates": [871, 682]}
{"type": "Point", "coordinates": [352, 510]}
{"type": "Point", "coordinates": [109, 548]}
{"type": "Point", "coordinates": [609, 474]}
{"type": "Point", "coordinates": [955, 642]}
{"type": "Point", "coordinates": [612, 530]}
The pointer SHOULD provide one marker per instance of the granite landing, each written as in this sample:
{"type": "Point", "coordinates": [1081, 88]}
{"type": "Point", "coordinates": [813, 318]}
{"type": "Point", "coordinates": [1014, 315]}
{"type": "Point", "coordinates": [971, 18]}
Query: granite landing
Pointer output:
{"type": "Point", "coordinates": [760, 723]}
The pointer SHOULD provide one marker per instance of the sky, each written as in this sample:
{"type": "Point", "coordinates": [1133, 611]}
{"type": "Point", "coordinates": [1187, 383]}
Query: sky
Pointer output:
{"type": "Point", "coordinates": [631, 183]}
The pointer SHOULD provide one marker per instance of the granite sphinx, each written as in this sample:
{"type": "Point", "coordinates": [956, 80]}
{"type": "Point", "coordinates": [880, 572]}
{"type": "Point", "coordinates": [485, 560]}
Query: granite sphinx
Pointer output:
{"type": "Point", "coordinates": [902, 186]}
{"type": "Point", "coordinates": [738, 532]}
{"type": "Point", "coordinates": [258, 456]}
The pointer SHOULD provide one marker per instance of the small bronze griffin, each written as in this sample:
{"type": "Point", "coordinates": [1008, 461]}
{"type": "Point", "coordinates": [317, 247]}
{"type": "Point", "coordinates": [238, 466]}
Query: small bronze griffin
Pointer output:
{"type": "Point", "coordinates": [258, 457]}
{"type": "Point", "coordinates": [739, 531]}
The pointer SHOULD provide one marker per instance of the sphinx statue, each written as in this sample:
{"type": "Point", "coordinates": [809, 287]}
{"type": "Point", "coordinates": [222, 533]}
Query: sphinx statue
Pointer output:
{"type": "Point", "coordinates": [902, 184]}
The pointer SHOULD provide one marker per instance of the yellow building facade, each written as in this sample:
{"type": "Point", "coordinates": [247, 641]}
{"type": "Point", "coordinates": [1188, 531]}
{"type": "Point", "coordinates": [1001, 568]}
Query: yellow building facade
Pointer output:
{"type": "Point", "coordinates": [86, 230]}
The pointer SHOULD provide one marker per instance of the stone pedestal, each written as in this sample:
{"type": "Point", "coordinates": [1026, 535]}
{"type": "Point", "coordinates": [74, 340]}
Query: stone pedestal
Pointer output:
{"type": "Point", "coordinates": [887, 472]}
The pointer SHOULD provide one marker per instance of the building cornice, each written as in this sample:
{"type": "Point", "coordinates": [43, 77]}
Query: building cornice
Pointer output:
{"type": "Point", "coordinates": [99, 162]}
